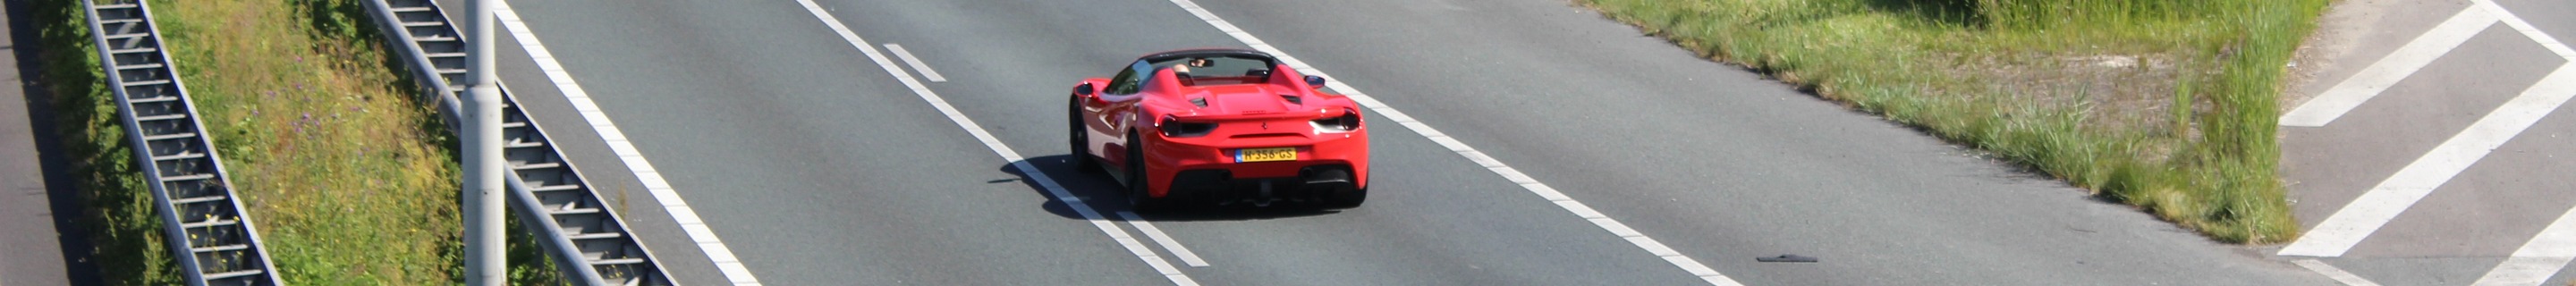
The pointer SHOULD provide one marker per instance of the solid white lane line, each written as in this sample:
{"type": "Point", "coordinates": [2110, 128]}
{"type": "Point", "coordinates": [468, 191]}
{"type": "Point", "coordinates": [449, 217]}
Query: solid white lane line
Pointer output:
{"type": "Point", "coordinates": [1694, 267]}
{"type": "Point", "coordinates": [916, 63]}
{"type": "Point", "coordinates": [697, 229]}
{"type": "Point", "coordinates": [1079, 207]}
{"type": "Point", "coordinates": [1169, 244]}
{"type": "Point", "coordinates": [2377, 77]}
{"type": "Point", "coordinates": [2334, 273]}
{"type": "Point", "coordinates": [2527, 30]}
{"type": "Point", "coordinates": [2374, 208]}
{"type": "Point", "coordinates": [2539, 258]}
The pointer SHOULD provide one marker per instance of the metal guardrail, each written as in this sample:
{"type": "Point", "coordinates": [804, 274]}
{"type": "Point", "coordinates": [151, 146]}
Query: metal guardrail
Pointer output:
{"type": "Point", "coordinates": [588, 241]}
{"type": "Point", "coordinates": [200, 215]}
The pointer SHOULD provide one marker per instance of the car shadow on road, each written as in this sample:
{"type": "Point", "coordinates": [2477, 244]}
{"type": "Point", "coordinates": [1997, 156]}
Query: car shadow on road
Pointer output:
{"type": "Point", "coordinates": [1104, 195]}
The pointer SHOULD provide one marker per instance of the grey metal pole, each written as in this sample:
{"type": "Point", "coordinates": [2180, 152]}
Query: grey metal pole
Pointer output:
{"type": "Point", "coordinates": [482, 139]}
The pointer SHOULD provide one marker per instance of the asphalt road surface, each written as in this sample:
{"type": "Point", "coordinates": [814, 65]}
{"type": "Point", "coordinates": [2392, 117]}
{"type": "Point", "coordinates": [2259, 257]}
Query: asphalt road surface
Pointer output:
{"type": "Point", "coordinates": [39, 245]}
{"type": "Point", "coordinates": [2459, 158]}
{"type": "Point", "coordinates": [819, 167]}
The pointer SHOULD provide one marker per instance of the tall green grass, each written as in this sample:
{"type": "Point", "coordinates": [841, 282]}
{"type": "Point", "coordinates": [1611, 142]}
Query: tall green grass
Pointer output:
{"type": "Point", "coordinates": [2165, 104]}
{"type": "Point", "coordinates": [350, 178]}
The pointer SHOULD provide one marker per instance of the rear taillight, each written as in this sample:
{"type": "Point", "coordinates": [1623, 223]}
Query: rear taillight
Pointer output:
{"type": "Point", "coordinates": [1173, 127]}
{"type": "Point", "coordinates": [1350, 120]}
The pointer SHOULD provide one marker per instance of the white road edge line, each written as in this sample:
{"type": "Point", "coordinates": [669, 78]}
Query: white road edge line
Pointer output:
{"type": "Point", "coordinates": [2377, 77]}
{"type": "Point", "coordinates": [1533, 185]}
{"type": "Point", "coordinates": [697, 229]}
{"type": "Point", "coordinates": [2334, 273]}
{"type": "Point", "coordinates": [2539, 258]}
{"type": "Point", "coordinates": [1106, 226]}
{"type": "Point", "coordinates": [1169, 244]}
{"type": "Point", "coordinates": [2339, 232]}
{"type": "Point", "coordinates": [916, 63]}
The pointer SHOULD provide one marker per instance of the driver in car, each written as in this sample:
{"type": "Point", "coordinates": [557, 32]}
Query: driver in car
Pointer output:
{"type": "Point", "coordinates": [1183, 69]}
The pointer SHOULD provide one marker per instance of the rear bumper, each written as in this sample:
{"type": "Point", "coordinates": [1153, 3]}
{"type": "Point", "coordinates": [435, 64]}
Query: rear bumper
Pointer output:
{"type": "Point", "coordinates": [1207, 170]}
{"type": "Point", "coordinates": [1313, 183]}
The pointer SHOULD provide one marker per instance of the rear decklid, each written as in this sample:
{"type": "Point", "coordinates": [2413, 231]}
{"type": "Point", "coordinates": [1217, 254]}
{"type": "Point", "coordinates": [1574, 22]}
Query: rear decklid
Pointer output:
{"type": "Point", "coordinates": [1247, 100]}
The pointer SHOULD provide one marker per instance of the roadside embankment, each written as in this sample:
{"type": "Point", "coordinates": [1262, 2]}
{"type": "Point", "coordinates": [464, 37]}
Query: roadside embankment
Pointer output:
{"type": "Point", "coordinates": [2166, 105]}
{"type": "Point", "coordinates": [349, 177]}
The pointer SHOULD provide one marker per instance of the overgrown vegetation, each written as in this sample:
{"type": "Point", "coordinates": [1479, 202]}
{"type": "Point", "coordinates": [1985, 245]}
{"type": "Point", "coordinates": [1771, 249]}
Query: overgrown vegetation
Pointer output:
{"type": "Point", "coordinates": [350, 178]}
{"type": "Point", "coordinates": [2169, 105]}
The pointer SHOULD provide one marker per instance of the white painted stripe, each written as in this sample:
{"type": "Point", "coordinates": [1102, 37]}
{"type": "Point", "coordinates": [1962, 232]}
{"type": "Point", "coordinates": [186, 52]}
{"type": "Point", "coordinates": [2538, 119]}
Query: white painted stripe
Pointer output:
{"type": "Point", "coordinates": [695, 228]}
{"type": "Point", "coordinates": [2523, 271]}
{"type": "Point", "coordinates": [1056, 190]}
{"type": "Point", "coordinates": [1169, 244]}
{"type": "Point", "coordinates": [2334, 273]}
{"type": "Point", "coordinates": [2539, 258]}
{"type": "Point", "coordinates": [2373, 209]}
{"type": "Point", "coordinates": [2377, 77]}
{"type": "Point", "coordinates": [1507, 172]}
{"type": "Point", "coordinates": [2527, 30]}
{"type": "Point", "coordinates": [916, 63]}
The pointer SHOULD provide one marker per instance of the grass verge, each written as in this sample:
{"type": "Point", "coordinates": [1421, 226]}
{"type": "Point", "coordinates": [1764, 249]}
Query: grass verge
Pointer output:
{"type": "Point", "coordinates": [352, 180]}
{"type": "Point", "coordinates": [2167, 105]}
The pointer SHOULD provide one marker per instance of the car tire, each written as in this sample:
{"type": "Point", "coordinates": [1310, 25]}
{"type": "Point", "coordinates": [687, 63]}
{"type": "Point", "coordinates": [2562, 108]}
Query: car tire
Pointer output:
{"type": "Point", "coordinates": [1080, 139]}
{"type": "Point", "coordinates": [1139, 191]}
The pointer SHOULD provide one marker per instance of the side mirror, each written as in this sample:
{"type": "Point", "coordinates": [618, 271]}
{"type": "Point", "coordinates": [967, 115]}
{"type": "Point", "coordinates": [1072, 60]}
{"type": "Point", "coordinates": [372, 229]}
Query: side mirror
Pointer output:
{"type": "Point", "coordinates": [1085, 90]}
{"type": "Point", "coordinates": [1316, 81]}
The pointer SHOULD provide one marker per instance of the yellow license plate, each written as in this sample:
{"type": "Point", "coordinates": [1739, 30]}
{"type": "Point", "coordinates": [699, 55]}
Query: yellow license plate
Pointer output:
{"type": "Point", "coordinates": [1265, 154]}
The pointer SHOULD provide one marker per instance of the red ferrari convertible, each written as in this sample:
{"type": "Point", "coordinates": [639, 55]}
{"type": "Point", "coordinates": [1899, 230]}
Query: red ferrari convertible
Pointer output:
{"type": "Point", "coordinates": [1222, 126]}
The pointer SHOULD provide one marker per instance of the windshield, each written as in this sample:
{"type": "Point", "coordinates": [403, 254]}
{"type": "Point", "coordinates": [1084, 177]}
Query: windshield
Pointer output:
{"type": "Point", "coordinates": [1218, 70]}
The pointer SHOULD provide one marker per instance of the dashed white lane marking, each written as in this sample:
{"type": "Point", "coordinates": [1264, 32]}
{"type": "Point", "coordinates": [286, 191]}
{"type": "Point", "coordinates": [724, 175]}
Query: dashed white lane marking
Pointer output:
{"type": "Point", "coordinates": [916, 63]}
{"type": "Point", "coordinates": [2374, 208]}
{"type": "Point", "coordinates": [2334, 273]}
{"type": "Point", "coordinates": [2538, 258]}
{"type": "Point", "coordinates": [697, 229]}
{"type": "Point", "coordinates": [2377, 77]}
{"type": "Point", "coordinates": [1533, 185]}
{"type": "Point", "coordinates": [1169, 244]}
{"type": "Point", "coordinates": [1088, 214]}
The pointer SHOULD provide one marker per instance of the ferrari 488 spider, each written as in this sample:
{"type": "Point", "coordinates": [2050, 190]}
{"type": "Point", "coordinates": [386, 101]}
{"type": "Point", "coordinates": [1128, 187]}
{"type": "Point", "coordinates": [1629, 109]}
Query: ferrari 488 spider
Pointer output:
{"type": "Point", "coordinates": [1220, 126]}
